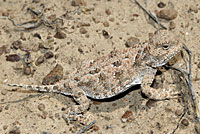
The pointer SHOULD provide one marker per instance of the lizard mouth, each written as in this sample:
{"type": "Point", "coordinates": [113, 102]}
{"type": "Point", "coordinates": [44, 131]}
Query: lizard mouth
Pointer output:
{"type": "Point", "coordinates": [166, 59]}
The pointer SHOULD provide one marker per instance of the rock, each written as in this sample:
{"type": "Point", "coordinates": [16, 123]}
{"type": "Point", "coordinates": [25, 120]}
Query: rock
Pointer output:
{"type": "Point", "coordinates": [106, 24]}
{"type": "Point", "coordinates": [82, 30]}
{"type": "Point", "coordinates": [126, 116]}
{"type": "Point", "coordinates": [48, 55]}
{"type": "Point", "coordinates": [54, 76]}
{"type": "Point", "coordinates": [35, 48]}
{"type": "Point", "coordinates": [112, 19]}
{"type": "Point", "coordinates": [60, 35]}
{"type": "Point", "coordinates": [151, 103]}
{"type": "Point", "coordinates": [108, 12]}
{"type": "Point", "coordinates": [1, 109]}
{"type": "Point", "coordinates": [5, 127]}
{"type": "Point", "coordinates": [41, 107]}
{"type": "Point", "coordinates": [22, 36]}
{"type": "Point", "coordinates": [105, 34]}
{"type": "Point", "coordinates": [39, 60]}
{"type": "Point", "coordinates": [2, 50]}
{"type": "Point", "coordinates": [161, 4]}
{"type": "Point", "coordinates": [80, 50]}
{"type": "Point", "coordinates": [27, 71]}
{"type": "Point", "coordinates": [17, 44]}
{"type": "Point", "coordinates": [96, 20]}
{"type": "Point", "coordinates": [78, 3]}
{"type": "Point", "coordinates": [172, 25]}
{"type": "Point", "coordinates": [198, 65]}
{"type": "Point", "coordinates": [167, 14]}
{"type": "Point", "coordinates": [132, 41]}
{"type": "Point", "coordinates": [37, 35]}
{"type": "Point", "coordinates": [185, 122]}
{"type": "Point", "coordinates": [95, 128]}
{"type": "Point", "coordinates": [178, 112]}
{"type": "Point", "coordinates": [13, 58]}
{"type": "Point", "coordinates": [4, 92]}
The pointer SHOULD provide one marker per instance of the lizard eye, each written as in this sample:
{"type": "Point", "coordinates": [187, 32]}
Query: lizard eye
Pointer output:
{"type": "Point", "coordinates": [165, 46]}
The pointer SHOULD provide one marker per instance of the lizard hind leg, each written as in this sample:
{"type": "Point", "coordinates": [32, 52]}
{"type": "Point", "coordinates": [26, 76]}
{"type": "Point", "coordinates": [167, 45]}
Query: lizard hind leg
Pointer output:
{"type": "Point", "coordinates": [75, 112]}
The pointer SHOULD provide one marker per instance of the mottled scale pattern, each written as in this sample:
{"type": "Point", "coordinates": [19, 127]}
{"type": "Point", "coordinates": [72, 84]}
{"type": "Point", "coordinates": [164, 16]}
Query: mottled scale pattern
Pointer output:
{"type": "Point", "coordinates": [109, 75]}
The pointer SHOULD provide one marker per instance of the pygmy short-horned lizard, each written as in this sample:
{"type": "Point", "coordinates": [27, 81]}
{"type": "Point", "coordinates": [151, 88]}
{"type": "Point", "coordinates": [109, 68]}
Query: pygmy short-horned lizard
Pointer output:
{"type": "Point", "coordinates": [113, 74]}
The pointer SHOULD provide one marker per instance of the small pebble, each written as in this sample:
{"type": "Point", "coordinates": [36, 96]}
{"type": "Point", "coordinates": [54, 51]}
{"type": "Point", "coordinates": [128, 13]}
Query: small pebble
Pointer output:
{"type": "Point", "coordinates": [198, 65]}
{"type": "Point", "coordinates": [111, 19]}
{"type": "Point", "coordinates": [15, 130]}
{"type": "Point", "coordinates": [44, 115]}
{"type": "Point", "coordinates": [87, 35]}
{"type": "Point", "coordinates": [185, 122]}
{"type": "Point", "coordinates": [131, 42]}
{"type": "Point", "coordinates": [82, 24]}
{"type": "Point", "coordinates": [105, 34]}
{"type": "Point", "coordinates": [35, 1]}
{"type": "Point", "coordinates": [57, 115]}
{"type": "Point", "coordinates": [172, 25]}
{"type": "Point", "coordinates": [96, 20]}
{"type": "Point", "coordinates": [60, 35]}
{"type": "Point", "coordinates": [80, 50]}
{"type": "Point", "coordinates": [78, 3]}
{"type": "Point", "coordinates": [178, 112]}
{"type": "Point", "coordinates": [35, 48]}
{"type": "Point", "coordinates": [96, 102]}
{"type": "Point", "coordinates": [167, 14]}
{"type": "Point", "coordinates": [151, 103]}
{"type": "Point", "coordinates": [45, 132]}
{"type": "Point", "coordinates": [95, 127]}
{"type": "Point", "coordinates": [106, 24]}
{"type": "Point", "coordinates": [114, 104]}
{"type": "Point", "coordinates": [17, 44]}
{"type": "Point", "coordinates": [48, 55]}
{"type": "Point", "coordinates": [39, 60]}
{"type": "Point", "coordinates": [12, 58]}
{"type": "Point", "coordinates": [1, 108]}
{"type": "Point", "coordinates": [82, 30]}
{"type": "Point", "coordinates": [161, 5]}
{"type": "Point", "coordinates": [2, 50]}
{"type": "Point", "coordinates": [126, 115]}
{"type": "Point", "coordinates": [108, 12]}
{"type": "Point", "coordinates": [41, 107]}
{"type": "Point", "coordinates": [22, 36]}
{"type": "Point", "coordinates": [37, 35]}
{"type": "Point", "coordinates": [27, 71]}
{"type": "Point", "coordinates": [7, 107]}
{"type": "Point", "coordinates": [5, 127]}
{"type": "Point", "coordinates": [4, 92]}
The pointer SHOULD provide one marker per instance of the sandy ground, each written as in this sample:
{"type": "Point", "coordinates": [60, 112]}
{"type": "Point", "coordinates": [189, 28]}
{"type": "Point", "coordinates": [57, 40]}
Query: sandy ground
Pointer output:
{"type": "Point", "coordinates": [36, 113]}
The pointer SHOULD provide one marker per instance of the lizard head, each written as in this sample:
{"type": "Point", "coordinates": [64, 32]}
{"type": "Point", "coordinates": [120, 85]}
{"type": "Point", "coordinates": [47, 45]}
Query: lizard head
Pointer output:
{"type": "Point", "coordinates": [164, 45]}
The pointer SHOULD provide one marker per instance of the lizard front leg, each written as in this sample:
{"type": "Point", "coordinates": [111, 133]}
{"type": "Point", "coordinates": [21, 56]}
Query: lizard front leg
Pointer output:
{"type": "Point", "coordinates": [157, 94]}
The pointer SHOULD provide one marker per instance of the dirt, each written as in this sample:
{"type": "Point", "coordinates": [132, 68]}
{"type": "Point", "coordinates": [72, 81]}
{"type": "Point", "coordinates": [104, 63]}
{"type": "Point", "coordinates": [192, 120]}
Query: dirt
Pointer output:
{"type": "Point", "coordinates": [90, 29]}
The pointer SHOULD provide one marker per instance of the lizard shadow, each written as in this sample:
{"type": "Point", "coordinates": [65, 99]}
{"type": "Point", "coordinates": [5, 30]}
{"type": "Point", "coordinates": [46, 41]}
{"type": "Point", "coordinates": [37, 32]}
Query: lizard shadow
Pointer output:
{"type": "Point", "coordinates": [132, 98]}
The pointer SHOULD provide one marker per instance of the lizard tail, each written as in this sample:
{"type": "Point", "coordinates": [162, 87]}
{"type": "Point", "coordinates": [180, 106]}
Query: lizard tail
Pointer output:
{"type": "Point", "coordinates": [45, 88]}
{"type": "Point", "coordinates": [57, 88]}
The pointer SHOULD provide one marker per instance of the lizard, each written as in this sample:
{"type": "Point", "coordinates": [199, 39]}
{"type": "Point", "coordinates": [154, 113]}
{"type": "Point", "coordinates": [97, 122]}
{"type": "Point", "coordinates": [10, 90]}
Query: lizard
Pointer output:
{"type": "Point", "coordinates": [112, 74]}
